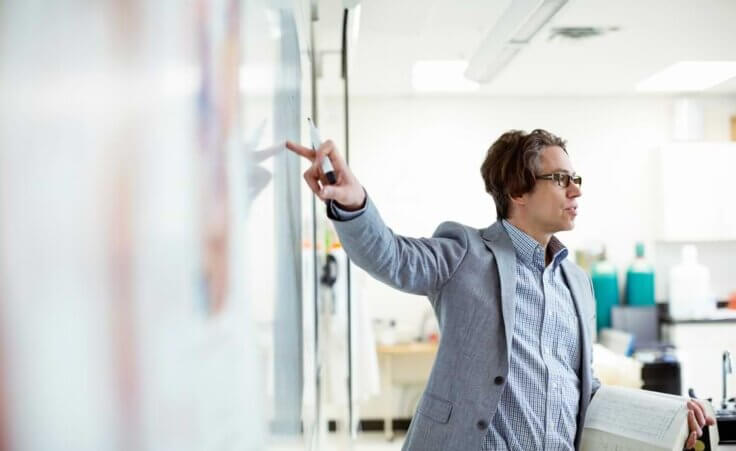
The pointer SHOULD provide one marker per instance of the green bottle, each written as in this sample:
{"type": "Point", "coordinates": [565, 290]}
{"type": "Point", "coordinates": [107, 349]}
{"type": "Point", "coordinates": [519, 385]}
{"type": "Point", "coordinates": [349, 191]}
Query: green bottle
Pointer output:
{"type": "Point", "coordinates": [640, 280]}
{"type": "Point", "coordinates": [605, 289]}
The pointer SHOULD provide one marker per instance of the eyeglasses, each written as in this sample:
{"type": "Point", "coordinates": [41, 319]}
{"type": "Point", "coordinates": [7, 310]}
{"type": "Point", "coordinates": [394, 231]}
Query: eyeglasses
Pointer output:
{"type": "Point", "coordinates": [563, 179]}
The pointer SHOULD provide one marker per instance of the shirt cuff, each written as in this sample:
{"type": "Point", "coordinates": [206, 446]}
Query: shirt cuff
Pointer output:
{"type": "Point", "coordinates": [336, 213]}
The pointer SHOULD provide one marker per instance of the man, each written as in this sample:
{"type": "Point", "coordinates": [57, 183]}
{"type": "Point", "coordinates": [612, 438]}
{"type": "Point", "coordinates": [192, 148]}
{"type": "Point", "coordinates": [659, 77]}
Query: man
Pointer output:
{"type": "Point", "coordinates": [513, 369]}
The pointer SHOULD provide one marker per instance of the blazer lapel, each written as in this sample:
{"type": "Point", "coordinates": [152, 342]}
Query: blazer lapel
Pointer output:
{"type": "Point", "coordinates": [578, 293]}
{"type": "Point", "coordinates": [499, 243]}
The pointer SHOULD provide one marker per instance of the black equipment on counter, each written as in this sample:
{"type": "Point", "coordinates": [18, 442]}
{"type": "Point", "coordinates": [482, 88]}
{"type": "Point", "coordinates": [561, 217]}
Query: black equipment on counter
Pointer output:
{"type": "Point", "coordinates": [662, 375]}
{"type": "Point", "coordinates": [726, 420]}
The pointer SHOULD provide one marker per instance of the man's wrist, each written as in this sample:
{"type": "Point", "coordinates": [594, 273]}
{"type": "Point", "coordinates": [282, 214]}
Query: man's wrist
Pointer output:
{"type": "Point", "coordinates": [352, 207]}
{"type": "Point", "coordinates": [349, 207]}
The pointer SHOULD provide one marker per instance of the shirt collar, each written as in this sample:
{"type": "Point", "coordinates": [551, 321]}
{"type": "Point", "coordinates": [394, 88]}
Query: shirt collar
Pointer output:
{"type": "Point", "coordinates": [530, 251]}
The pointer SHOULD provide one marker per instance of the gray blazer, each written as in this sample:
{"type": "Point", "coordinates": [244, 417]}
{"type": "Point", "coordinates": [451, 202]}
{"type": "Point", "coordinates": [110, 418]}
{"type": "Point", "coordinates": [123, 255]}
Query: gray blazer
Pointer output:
{"type": "Point", "coordinates": [469, 276]}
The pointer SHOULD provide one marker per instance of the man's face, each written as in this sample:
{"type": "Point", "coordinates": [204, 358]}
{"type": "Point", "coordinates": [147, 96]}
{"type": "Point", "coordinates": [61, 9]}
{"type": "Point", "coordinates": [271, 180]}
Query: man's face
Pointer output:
{"type": "Point", "coordinates": [550, 207]}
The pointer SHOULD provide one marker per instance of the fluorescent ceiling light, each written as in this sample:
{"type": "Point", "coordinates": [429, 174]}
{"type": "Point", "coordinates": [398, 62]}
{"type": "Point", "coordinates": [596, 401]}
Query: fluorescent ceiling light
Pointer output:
{"type": "Point", "coordinates": [521, 21]}
{"type": "Point", "coordinates": [537, 20]}
{"type": "Point", "coordinates": [688, 76]}
{"type": "Point", "coordinates": [503, 59]}
{"type": "Point", "coordinates": [441, 76]}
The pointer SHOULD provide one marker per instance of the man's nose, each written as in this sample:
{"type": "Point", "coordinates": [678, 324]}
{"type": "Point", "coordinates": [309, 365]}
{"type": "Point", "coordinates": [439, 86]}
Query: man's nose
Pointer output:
{"type": "Point", "coordinates": [574, 190]}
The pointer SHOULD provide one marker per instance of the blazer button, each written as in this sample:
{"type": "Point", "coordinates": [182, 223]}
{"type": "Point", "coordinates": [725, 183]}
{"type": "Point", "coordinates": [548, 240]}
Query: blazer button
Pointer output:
{"type": "Point", "coordinates": [498, 380]}
{"type": "Point", "coordinates": [482, 425]}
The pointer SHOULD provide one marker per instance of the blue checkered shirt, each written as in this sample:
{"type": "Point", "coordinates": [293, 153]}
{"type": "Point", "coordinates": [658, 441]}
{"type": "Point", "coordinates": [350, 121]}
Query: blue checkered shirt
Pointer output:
{"type": "Point", "coordinates": [539, 406]}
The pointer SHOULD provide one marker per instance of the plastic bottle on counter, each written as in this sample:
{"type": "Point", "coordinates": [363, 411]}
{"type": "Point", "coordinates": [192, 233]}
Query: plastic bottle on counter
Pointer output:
{"type": "Point", "coordinates": [689, 287]}
{"type": "Point", "coordinates": [605, 289]}
{"type": "Point", "coordinates": [640, 280]}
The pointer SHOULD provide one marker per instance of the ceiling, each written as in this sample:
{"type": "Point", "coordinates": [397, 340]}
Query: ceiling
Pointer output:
{"type": "Point", "coordinates": [652, 35]}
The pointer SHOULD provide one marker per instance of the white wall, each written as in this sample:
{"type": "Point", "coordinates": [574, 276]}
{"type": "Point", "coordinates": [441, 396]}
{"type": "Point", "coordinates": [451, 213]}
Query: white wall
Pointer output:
{"type": "Point", "coordinates": [419, 159]}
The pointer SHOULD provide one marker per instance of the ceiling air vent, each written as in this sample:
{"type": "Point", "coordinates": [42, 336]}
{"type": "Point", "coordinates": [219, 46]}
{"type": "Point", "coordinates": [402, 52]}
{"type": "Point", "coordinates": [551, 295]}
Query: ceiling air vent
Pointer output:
{"type": "Point", "coordinates": [578, 33]}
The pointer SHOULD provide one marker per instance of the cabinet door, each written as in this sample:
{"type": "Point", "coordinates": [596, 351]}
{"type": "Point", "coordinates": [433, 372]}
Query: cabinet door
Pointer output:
{"type": "Point", "coordinates": [699, 348]}
{"type": "Point", "coordinates": [697, 189]}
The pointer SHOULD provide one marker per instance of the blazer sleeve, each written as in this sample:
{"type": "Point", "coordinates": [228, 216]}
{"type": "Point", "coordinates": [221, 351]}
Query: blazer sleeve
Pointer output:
{"type": "Point", "coordinates": [414, 265]}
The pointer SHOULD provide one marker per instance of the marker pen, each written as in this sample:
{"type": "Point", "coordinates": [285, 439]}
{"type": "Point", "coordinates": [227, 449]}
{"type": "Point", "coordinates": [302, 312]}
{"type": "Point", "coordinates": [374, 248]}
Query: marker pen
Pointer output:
{"type": "Point", "coordinates": [326, 164]}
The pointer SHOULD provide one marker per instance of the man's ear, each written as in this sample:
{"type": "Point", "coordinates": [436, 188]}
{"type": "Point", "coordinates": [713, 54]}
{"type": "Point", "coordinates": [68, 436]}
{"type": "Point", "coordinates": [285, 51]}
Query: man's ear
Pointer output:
{"type": "Point", "coordinates": [519, 200]}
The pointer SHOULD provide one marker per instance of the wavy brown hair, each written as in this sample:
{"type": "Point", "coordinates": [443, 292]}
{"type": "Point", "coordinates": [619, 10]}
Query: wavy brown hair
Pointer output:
{"type": "Point", "coordinates": [511, 164]}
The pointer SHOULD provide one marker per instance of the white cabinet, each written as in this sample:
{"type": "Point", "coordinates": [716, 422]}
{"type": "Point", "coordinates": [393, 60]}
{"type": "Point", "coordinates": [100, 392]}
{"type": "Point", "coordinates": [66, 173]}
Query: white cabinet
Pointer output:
{"type": "Point", "coordinates": [697, 187]}
{"type": "Point", "coordinates": [699, 346]}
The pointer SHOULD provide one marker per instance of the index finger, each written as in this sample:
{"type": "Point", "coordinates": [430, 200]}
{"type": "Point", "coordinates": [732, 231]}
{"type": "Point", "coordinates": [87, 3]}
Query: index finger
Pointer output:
{"type": "Point", "coordinates": [708, 419]}
{"type": "Point", "coordinates": [329, 150]}
{"type": "Point", "coordinates": [301, 150]}
{"type": "Point", "coordinates": [699, 412]}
